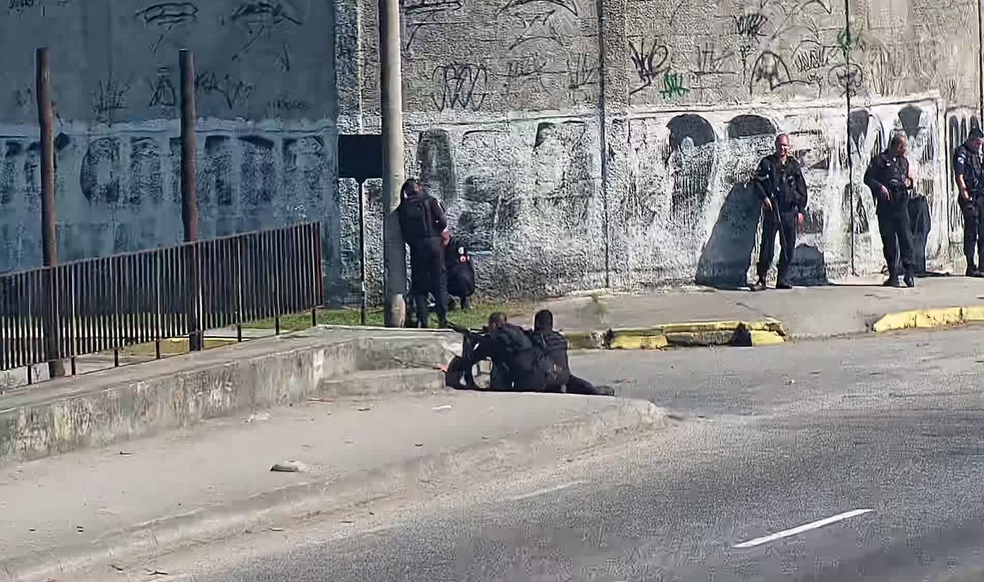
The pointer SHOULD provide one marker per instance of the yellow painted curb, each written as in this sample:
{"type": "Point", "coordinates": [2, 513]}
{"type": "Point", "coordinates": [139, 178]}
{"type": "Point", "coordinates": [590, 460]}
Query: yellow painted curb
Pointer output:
{"type": "Point", "coordinates": [766, 338]}
{"type": "Point", "coordinates": [637, 341]}
{"type": "Point", "coordinates": [702, 333]}
{"type": "Point", "coordinates": [929, 318]}
{"type": "Point", "coordinates": [585, 340]}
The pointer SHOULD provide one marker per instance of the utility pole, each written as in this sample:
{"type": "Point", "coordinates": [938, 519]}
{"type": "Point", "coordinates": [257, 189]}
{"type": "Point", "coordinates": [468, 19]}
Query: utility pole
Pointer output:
{"type": "Point", "coordinates": [189, 197]}
{"type": "Point", "coordinates": [391, 112]}
{"type": "Point", "coordinates": [49, 242]}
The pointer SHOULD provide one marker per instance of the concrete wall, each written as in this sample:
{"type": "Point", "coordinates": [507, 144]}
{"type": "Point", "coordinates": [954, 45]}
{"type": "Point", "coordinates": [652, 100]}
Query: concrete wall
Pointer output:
{"type": "Point", "coordinates": [266, 96]}
{"type": "Point", "coordinates": [575, 143]}
{"type": "Point", "coordinates": [583, 143]}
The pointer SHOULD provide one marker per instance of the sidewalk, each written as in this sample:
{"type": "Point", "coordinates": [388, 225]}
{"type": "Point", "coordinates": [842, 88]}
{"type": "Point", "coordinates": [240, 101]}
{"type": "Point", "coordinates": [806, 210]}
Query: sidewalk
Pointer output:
{"type": "Point", "coordinates": [114, 508]}
{"type": "Point", "coordinates": [807, 312]}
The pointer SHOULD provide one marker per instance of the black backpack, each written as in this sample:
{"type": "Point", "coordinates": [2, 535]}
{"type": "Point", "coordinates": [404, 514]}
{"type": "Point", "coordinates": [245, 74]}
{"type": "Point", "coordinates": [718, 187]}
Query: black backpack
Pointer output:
{"type": "Point", "coordinates": [416, 221]}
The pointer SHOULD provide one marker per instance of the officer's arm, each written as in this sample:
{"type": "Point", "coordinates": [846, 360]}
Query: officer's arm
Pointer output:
{"type": "Point", "coordinates": [871, 176]}
{"type": "Point", "coordinates": [803, 193]}
{"type": "Point", "coordinates": [763, 178]}
{"type": "Point", "coordinates": [959, 169]}
{"type": "Point", "coordinates": [437, 211]}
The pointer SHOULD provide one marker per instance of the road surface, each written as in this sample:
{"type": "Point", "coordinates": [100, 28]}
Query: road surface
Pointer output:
{"type": "Point", "coordinates": [836, 460]}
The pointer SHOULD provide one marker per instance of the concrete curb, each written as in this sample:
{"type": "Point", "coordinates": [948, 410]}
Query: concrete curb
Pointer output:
{"type": "Point", "coordinates": [696, 334]}
{"type": "Point", "coordinates": [419, 477]}
{"type": "Point", "coordinates": [929, 318]}
{"type": "Point", "coordinates": [118, 404]}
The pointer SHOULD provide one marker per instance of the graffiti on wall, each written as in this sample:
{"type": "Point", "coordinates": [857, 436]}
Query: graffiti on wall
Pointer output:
{"type": "Point", "coordinates": [126, 193]}
{"type": "Point", "coordinates": [793, 48]}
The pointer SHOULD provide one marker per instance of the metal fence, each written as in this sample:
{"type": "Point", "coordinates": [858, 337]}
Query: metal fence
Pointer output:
{"type": "Point", "coordinates": [106, 304]}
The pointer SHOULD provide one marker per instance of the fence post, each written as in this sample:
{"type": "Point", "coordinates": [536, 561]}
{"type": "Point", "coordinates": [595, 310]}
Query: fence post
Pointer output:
{"type": "Point", "coordinates": [49, 243]}
{"type": "Point", "coordinates": [189, 197]}
{"type": "Point", "coordinates": [362, 249]}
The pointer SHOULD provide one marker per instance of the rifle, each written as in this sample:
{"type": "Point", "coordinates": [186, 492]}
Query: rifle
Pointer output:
{"type": "Point", "coordinates": [469, 333]}
{"type": "Point", "coordinates": [772, 195]}
{"type": "Point", "coordinates": [461, 367]}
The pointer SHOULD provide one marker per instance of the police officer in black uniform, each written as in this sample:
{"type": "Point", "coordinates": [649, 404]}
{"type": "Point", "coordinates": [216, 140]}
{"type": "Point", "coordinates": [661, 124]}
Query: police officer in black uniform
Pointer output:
{"type": "Point", "coordinates": [422, 221]}
{"type": "Point", "coordinates": [968, 171]}
{"type": "Point", "coordinates": [888, 178]}
{"type": "Point", "coordinates": [782, 187]}
{"type": "Point", "coordinates": [556, 346]}
{"type": "Point", "coordinates": [518, 364]}
{"type": "Point", "coordinates": [460, 271]}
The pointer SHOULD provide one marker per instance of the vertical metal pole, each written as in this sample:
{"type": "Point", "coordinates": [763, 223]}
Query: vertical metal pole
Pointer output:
{"type": "Point", "coordinates": [391, 110]}
{"type": "Point", "coordinates": [603, 136]}
{"type": "Point", "coordinates": [189, 196]}
{"type": "Point", "coordinates": [49, 243]}
{"type": "Point", "coordinates": [362, 248]}
{"type": "Point", "coordinates": [980, 61]}
{"type": "Point", "coordinates": [850, 156]}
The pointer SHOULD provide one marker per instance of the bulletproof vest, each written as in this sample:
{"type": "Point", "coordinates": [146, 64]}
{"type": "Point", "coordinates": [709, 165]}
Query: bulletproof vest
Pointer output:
{"type": "Point", "coordinates": [895, 175]}
{"type": "Point", "coordinates": [455, 253]}
{"type": "Point", "coordinates": [416, 220]}
{"type": "Point", "coordinates": [784, 181]}
{"type": "Point", "coordinates": [973, 169]}
{"type": "Point", "coordinates": [526, 354]}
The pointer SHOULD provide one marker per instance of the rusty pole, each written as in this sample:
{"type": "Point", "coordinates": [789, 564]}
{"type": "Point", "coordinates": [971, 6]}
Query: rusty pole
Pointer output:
{"type": "Point", "coordinates": [49, 241]}
{"type": "Point", "coordinates": [189, 200]}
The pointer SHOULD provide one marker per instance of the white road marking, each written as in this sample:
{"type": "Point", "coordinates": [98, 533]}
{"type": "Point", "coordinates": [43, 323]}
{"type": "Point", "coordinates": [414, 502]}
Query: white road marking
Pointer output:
{"type": "Point", "coordinates": [803, 528]}
{"type": "Point", "coordinates": [545, 491]}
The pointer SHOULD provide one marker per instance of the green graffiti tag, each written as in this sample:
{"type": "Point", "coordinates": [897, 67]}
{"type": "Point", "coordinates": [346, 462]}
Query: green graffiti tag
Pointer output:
{"type": "Point", "coordinates": [673, 86]}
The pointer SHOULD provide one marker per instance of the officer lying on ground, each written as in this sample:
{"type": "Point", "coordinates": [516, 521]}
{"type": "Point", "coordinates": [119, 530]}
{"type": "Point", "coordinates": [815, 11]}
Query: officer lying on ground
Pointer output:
{"type": "Point", "coordinates": [518, 364]}
{"type": "Point", "coordinates": [557, 345]}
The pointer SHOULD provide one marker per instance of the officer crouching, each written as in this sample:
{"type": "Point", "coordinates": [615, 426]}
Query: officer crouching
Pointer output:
{"type": "Point", "coordinates": [888, 178]}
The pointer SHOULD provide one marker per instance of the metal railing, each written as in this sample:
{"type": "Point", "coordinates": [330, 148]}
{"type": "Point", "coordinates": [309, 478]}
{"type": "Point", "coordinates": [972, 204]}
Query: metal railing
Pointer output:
{"type": "Point", "coordinates": [104, 304]}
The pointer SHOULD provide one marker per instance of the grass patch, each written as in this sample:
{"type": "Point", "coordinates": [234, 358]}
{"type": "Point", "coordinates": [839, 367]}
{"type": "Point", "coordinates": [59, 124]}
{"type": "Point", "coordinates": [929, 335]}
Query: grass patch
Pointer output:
{"type": "Point", "coordinates": [477, 316]}
{"type": "Point", "coordinates": [172, 347]}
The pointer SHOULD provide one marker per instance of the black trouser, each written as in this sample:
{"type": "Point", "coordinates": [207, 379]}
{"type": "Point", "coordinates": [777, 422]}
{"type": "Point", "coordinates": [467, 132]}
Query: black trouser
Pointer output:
{"type": "Point", "coordinates": [770, 228]}
{"type": "Point", "coordinates": [893, 223]}
{"type": "Point", "coordinates": [973, 238]}
{"type": "Point", "coordinates": [461, 284]}
{"type": "Point", "coordinates": [428, 275]}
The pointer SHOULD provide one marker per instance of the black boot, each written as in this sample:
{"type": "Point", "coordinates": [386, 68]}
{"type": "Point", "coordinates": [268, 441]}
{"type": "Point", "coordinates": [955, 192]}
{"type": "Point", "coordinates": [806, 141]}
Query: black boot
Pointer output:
{"type": "Point", "coordinates": [909, 280]}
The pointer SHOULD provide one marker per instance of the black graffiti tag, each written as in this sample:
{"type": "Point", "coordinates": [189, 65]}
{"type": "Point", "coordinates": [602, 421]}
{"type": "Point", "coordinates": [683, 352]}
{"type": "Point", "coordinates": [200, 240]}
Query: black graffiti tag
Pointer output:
{"type": "Point", "coordinates": [167, 15]}
{"type": "Point", "coordinates": [750, 25]}
{"type": "Point", "coordinates": [163, 93]}
{"type": "Point", "coordinates": [460, 86]}
{"type": "Point", "coordinates": [234, 93]}
{"type": "Point", "coordinates": [649, 63]}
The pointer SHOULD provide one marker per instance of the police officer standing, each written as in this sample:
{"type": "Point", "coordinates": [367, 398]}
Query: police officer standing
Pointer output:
{"type": "Point", "coordinates": [782, 187]}
{"type": "Point", "coordinates": [422, 221]}
{"type": "Point", "coordinates": [969, 174]}
{"type": "Point", "coordinates": [888, 178]}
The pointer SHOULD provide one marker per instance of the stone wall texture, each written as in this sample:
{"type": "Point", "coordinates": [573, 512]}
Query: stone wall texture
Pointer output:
{"type": "Point", "coordinates": [576, 144]}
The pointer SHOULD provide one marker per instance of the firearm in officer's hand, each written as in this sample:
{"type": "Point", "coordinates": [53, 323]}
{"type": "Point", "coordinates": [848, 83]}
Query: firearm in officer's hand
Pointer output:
{"type": "Point", "coordinates": [468, 332]}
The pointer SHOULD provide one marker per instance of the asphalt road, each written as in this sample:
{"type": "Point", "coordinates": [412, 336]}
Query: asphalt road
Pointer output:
{"type": "Point", "coordinates": [771, 439]}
